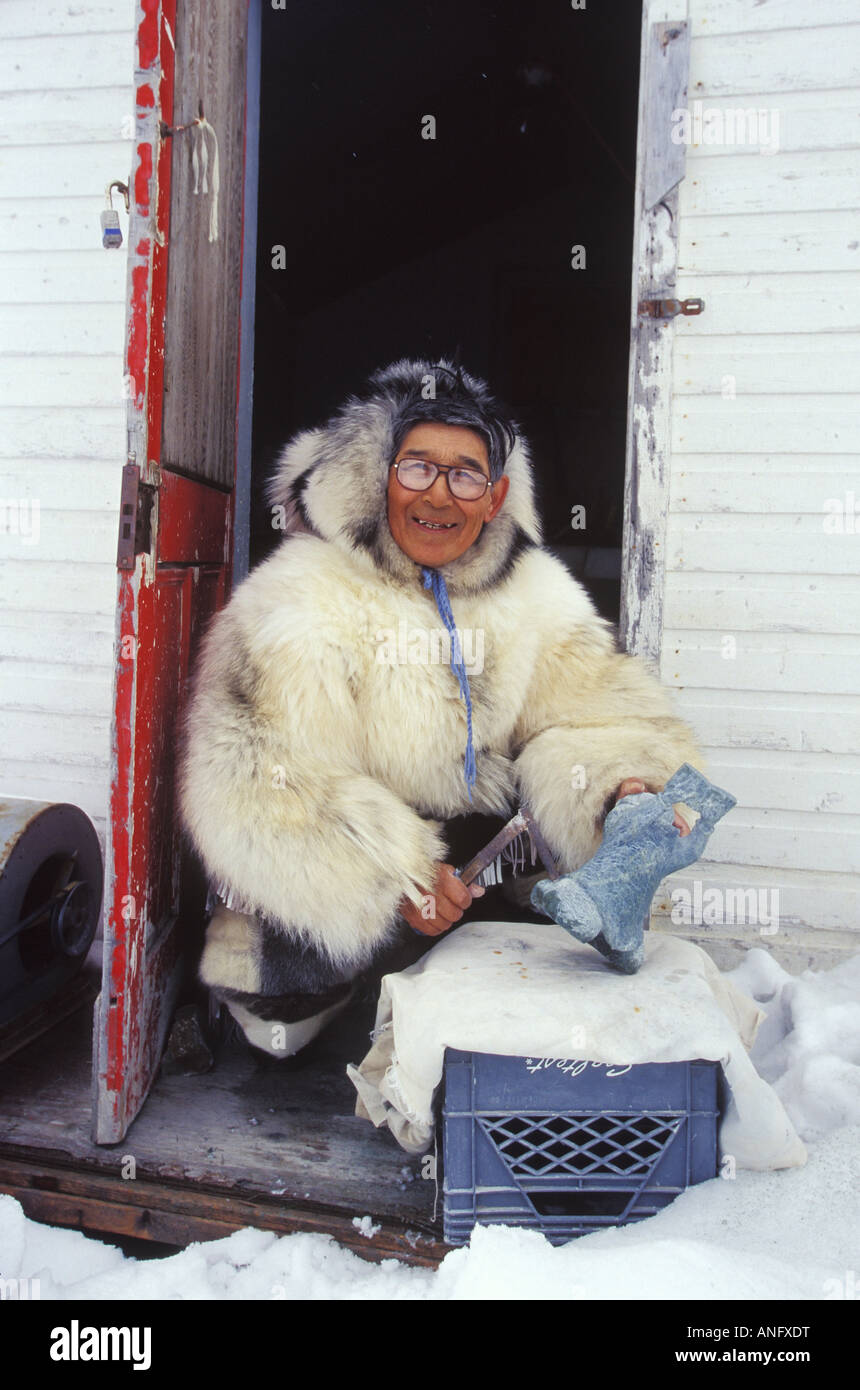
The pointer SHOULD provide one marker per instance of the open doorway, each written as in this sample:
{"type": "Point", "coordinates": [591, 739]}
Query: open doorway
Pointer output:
{"type": "Point", "coordinates": [450, 177]}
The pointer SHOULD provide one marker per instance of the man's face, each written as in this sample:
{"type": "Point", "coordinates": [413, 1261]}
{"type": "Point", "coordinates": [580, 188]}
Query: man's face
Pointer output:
{"type": "Point", "coordinates": [434, 527]}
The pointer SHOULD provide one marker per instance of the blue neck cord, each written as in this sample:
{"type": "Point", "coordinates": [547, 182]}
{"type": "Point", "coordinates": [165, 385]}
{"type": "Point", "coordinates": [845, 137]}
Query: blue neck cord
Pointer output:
{"type": "Point", "coordinates": [434, 580]}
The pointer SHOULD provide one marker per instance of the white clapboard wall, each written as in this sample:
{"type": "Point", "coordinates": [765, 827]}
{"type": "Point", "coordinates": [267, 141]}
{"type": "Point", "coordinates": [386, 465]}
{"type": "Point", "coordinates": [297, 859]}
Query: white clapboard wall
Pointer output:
{"type": "Point", "coordinates": [761, 613]}
{"type": "Point", "coordinates": [66, 102]}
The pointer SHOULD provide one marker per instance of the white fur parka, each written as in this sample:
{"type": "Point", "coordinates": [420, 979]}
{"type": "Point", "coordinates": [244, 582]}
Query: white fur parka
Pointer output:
{"type": "Point", "coordinates": [324, 744]}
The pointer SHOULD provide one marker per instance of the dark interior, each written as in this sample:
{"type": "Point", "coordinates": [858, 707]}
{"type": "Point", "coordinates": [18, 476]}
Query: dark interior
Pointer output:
{"type": "Point", "coordinates": [394, 244]}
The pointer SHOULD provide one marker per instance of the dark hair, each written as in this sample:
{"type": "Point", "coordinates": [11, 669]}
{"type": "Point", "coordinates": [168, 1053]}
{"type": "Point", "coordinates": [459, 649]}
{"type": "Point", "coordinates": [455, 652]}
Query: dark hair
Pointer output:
{"type": "Point", "coordinates": [458, 400]}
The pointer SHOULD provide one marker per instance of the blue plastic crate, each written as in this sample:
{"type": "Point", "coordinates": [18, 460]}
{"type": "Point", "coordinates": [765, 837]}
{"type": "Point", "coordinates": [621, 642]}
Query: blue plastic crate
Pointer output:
{"type": "Point", "coordinates": [565, 1147]}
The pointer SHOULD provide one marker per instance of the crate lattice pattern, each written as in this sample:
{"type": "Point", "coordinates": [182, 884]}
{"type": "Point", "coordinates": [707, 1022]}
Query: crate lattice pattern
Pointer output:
{"type": "Point", "coordinates": [548, 1145]}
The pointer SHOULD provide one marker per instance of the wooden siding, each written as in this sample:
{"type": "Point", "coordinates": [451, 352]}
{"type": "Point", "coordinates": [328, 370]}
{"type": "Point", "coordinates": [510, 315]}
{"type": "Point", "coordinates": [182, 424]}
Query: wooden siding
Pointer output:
{"type": "Point", "coordinates": [66, 101]}
{"type": "Point", "coordinates": [201, 353]}
{"type": "Point", "coordinates": [761, 631]}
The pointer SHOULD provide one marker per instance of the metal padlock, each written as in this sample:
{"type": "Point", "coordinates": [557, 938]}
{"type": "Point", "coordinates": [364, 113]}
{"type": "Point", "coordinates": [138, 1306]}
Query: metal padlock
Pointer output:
{"type": "Point", "coordinates": [111, 233]}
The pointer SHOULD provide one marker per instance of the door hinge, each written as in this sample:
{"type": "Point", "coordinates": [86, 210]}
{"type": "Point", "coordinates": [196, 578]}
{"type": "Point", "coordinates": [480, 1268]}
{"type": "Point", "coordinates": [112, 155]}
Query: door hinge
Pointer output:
{"type": "Point", "coordinates": [669, 308]}
{"type": "Point", "coordinates": [135, 517]}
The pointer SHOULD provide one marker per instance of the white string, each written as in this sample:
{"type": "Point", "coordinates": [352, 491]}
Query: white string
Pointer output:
{"type": "Point", "coordinates": [514, 853]}
{"type": "Point", "coordinates": [200, 168]}
{"type": "Point", "coordinates": [204, 164]}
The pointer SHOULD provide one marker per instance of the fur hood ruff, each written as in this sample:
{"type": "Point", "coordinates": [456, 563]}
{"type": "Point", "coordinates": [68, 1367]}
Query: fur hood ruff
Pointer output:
{"type": "Point", "coordinates": [333, 482]}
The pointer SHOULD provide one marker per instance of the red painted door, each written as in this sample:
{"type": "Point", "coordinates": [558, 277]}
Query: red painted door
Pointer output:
{"type": "Point", "coordinates": [184, 370]}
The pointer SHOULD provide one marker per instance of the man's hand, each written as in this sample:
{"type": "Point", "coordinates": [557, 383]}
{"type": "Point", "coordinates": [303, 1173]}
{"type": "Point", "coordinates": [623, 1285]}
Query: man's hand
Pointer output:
{"type": "Point", "coordinates": [632, 785]}
{"type": "Point", "coordinates": [448, 900]}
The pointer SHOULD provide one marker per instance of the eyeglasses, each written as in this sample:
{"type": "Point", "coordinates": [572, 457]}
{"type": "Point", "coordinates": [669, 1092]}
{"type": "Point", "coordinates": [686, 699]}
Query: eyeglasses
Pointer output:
{"type": "Point", "coordinates": [419, 474]}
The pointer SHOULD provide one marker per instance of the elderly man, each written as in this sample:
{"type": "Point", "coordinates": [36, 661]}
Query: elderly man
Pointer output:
{"type": "Point", "coordinates": [327, 773]}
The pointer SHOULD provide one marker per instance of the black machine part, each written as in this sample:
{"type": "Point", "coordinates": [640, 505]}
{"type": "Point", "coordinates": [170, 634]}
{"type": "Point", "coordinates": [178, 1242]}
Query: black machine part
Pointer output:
{"type": "Point", "coordinates": [51, 880]}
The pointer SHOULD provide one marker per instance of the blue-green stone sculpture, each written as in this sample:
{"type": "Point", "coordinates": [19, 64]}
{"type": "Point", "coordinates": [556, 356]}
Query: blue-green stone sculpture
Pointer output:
{"type": "Point", "coordinates": [606, 902]}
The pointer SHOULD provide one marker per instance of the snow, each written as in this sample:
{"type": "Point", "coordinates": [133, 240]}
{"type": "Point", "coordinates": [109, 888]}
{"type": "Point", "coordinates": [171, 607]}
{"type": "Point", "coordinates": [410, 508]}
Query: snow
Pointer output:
{"type": "Point", "coordinates": [757, 1235]}
{"type": "Point", "coordinates": [365, 1227]}
{"type": "Point", "coordinates": [809, 1046]}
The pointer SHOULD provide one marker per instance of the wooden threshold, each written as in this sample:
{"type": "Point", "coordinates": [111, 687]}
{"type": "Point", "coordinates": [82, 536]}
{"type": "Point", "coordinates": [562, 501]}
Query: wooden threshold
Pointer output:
{"type": "Point", "coordinates": [178, 1215]}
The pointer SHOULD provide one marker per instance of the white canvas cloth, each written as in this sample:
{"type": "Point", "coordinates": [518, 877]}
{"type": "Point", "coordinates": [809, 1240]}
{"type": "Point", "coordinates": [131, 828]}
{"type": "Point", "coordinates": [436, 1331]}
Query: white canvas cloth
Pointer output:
{"type": "Point", "coordinates": [526, 990]}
